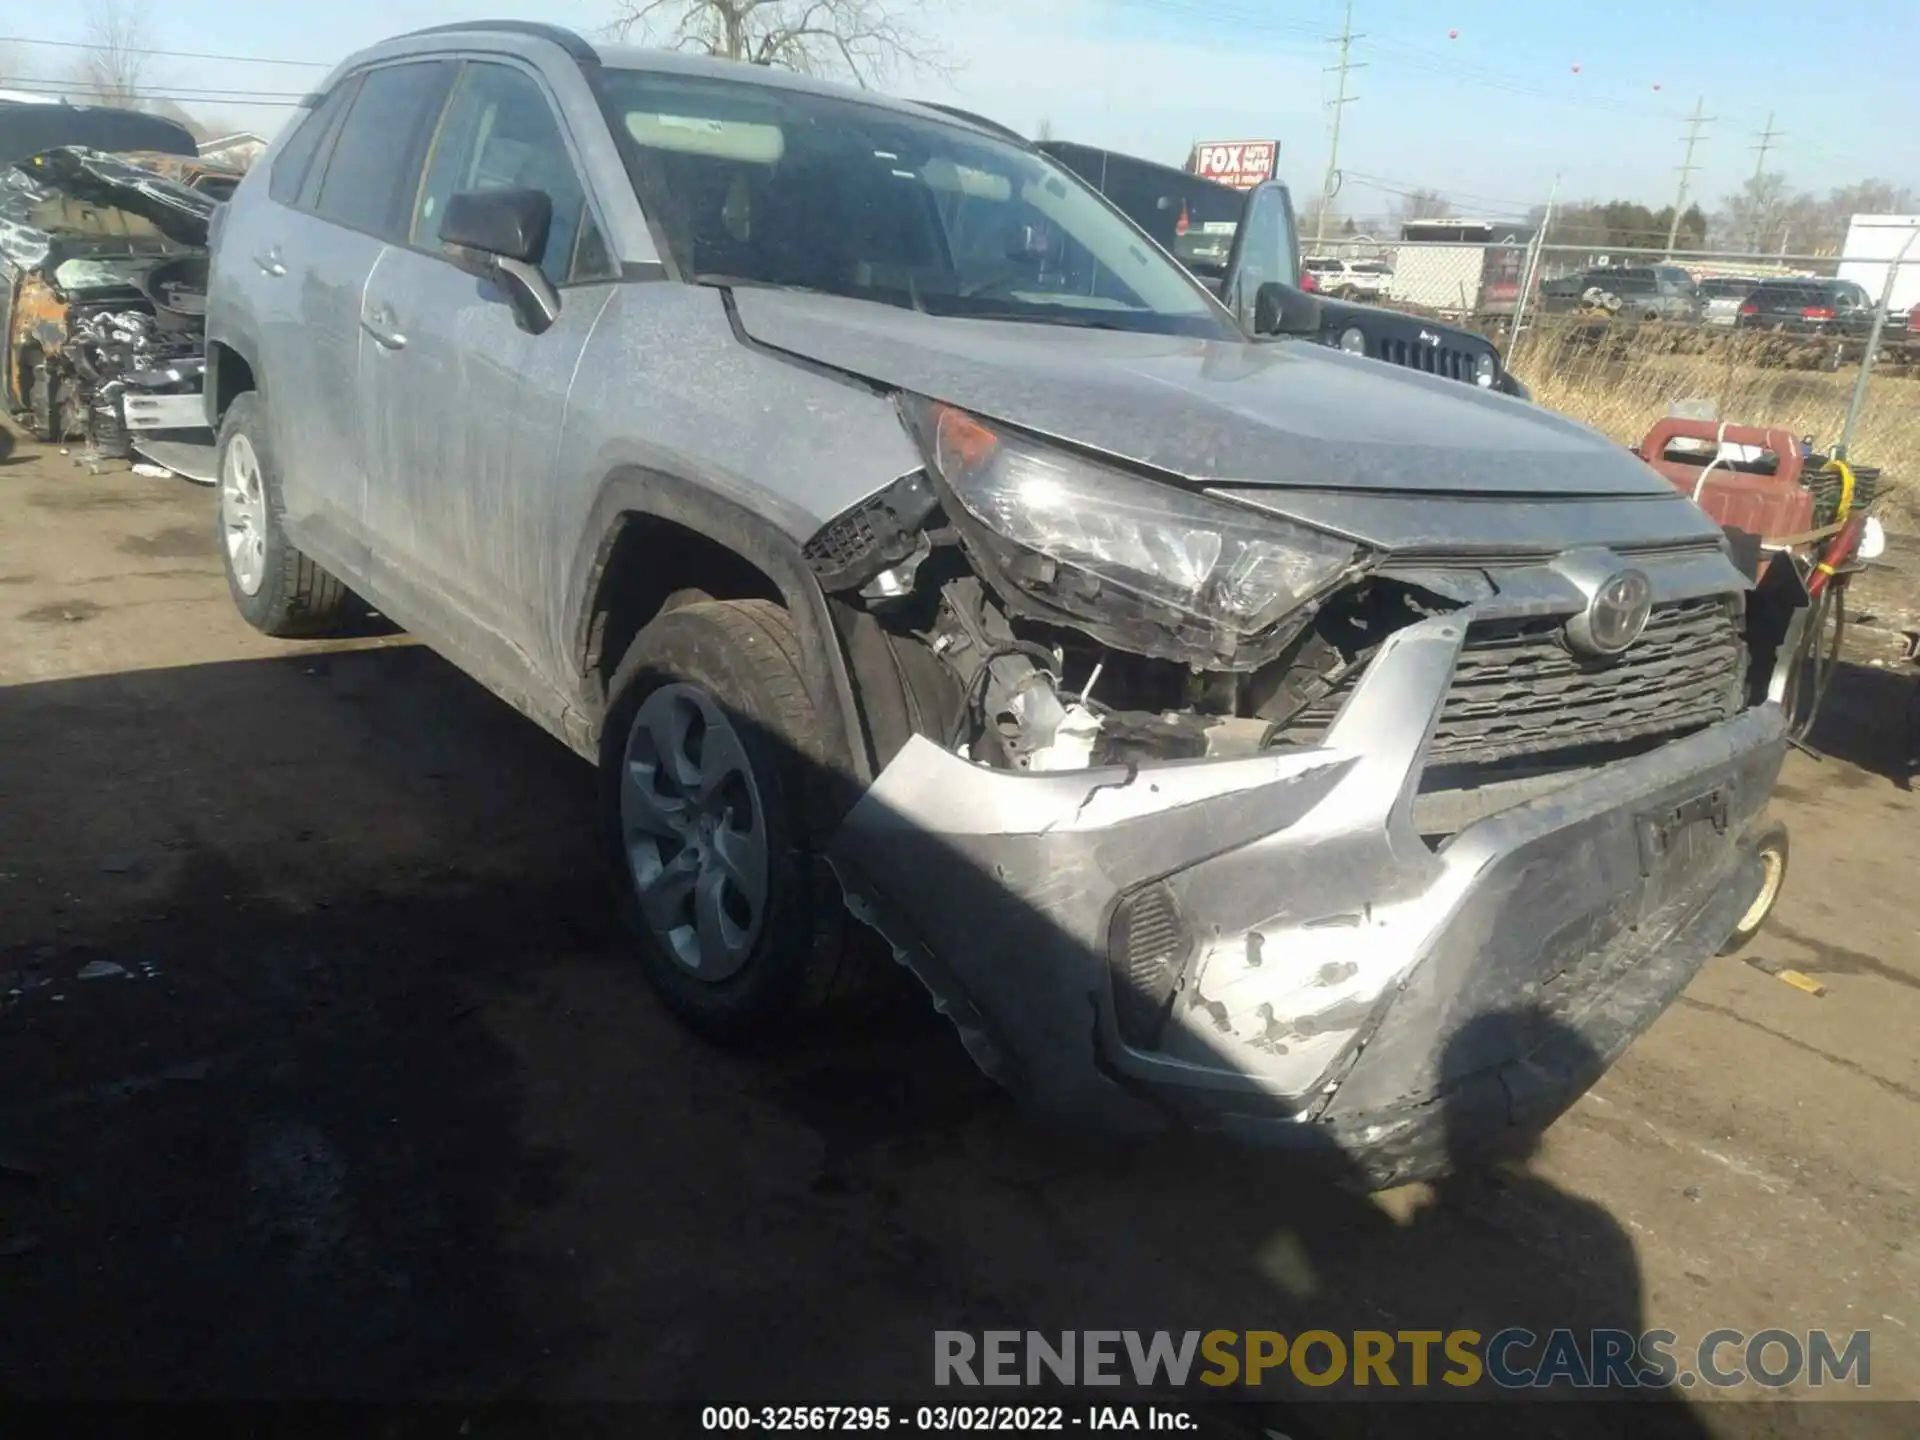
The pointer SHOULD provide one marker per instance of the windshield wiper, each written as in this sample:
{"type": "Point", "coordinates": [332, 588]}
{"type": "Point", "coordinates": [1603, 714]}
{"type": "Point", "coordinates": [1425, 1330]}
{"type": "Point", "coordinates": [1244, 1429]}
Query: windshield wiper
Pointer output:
{"type": "Point", "coordinates": [1076, 322]}
{"type": "Point", "coordinates": [747, 282]}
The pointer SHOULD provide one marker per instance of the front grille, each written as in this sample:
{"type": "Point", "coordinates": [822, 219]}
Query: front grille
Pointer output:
{"type": "Point", "coordinates": [1447, 361]}
{"type": "Point", "coordinates": [1517, 690]}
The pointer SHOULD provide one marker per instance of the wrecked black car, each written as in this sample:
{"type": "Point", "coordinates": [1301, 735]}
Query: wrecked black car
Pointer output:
{"type": "Point", "coordinates": [103, 277]}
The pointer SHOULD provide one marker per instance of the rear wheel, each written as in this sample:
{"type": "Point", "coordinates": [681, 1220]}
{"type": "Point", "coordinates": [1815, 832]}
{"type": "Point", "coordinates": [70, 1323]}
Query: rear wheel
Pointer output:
{"type": "Point", "coordinates": [713, 803]}
{"type": "Point", "coordinates": [277, 590]}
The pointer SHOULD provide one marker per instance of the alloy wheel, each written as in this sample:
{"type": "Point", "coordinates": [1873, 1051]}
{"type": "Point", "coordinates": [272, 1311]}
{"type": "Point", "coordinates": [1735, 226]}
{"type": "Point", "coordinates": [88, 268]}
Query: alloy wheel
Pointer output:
{"type": "Point", "coordinates": [243, 515]}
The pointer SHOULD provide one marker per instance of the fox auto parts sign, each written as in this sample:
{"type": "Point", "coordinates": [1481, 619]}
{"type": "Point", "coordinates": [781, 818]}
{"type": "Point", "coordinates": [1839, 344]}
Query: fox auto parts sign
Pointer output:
{"type": "Point", "coordinates": [1242, 164]}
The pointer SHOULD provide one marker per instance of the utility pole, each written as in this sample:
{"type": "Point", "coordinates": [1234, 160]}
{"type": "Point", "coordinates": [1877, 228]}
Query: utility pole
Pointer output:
{"type": "Point", "coordinates": [1687, 167]}
{"type": "Point", "coordinates": [1767, 137]}
{"type": "Point", "coordinates": [1344, 40]}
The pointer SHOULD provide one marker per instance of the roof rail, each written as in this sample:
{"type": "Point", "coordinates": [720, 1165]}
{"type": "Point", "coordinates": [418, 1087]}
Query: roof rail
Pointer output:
{"type": "Point", "coordinates": [972, 119]}
{"type": "Point", "coordinates": [581, 52]}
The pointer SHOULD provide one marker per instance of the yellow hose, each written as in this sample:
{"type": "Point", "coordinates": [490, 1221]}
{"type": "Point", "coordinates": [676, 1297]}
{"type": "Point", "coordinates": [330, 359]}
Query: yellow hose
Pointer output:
{"type": "Point", "coordinates": [1845, 471]}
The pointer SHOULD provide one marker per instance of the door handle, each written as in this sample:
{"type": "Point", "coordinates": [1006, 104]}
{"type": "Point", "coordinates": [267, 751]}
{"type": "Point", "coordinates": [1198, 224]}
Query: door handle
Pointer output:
{"type": "Point", "coordinates": [378, 322]}
{"type": "Point", "coordinates": [269, 261]}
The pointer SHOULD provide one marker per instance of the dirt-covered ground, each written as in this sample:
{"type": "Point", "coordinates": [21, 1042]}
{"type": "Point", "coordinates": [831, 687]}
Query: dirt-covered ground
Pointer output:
{"type": "Point", "coordinates": [322, 1073]}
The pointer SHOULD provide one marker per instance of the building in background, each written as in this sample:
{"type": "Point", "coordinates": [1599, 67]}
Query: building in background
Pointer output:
{"type": "Point", "coordinates": [234, 152]}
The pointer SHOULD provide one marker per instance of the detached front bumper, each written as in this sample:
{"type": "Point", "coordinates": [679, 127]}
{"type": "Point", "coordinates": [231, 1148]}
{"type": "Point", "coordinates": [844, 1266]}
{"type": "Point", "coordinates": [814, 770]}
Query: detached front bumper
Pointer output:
{"type": "Point", "coordinates": [1340, 984]}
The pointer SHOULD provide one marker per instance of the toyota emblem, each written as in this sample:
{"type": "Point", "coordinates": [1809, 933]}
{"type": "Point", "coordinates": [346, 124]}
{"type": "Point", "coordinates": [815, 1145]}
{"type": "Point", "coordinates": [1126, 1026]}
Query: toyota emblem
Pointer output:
{"type": "Point", "coordinates": [1615, 615]}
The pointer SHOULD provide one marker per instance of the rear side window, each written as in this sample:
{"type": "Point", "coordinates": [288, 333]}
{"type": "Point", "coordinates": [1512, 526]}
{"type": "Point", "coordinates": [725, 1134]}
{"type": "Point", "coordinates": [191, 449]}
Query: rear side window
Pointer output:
{"type": "Point", "coordinates": [375, 166]}
{"type": "Point", "coordinates": [290, 165]}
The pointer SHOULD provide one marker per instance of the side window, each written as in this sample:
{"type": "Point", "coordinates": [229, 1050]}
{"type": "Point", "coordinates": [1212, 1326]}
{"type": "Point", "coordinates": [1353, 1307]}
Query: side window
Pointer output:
{"type": "Point", "coordinates": [375, 166]}
{"type": "Point", "coordinates": [500, 134]}
{"type": "Point", "coordinates": [591, 258]}
{"type": "Point", "coordinates": [290, 165]}
{"type": "Point", "coordinates": [323, 151]}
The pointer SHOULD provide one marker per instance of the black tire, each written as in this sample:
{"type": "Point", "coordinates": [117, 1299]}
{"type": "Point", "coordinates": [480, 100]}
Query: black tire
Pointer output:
{"type": "Point", "coordinates": [745, 657]}
{"type": "Point", "coordinates": [296, 599]}
{"type": "Point", "coordinates": [1770, 843]}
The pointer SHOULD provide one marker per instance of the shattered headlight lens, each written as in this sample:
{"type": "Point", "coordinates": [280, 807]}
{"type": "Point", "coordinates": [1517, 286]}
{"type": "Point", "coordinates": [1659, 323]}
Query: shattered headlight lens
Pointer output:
{"type": "Point", "coordinates": [1106, 544]}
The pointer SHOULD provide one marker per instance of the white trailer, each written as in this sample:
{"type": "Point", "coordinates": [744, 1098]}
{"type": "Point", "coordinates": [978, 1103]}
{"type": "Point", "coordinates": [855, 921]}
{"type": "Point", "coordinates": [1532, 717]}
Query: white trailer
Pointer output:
{"type": "Point", "coordinates": [1872, 243]}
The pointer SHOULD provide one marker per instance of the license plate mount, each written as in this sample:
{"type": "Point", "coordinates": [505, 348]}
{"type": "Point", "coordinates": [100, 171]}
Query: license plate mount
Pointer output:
{"type": "Point", "coordinates": [1677, 842]}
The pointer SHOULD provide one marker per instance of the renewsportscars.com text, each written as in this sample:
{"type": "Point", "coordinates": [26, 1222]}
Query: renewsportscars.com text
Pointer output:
{"type": "Point", "coordinates": [1509, 1359]}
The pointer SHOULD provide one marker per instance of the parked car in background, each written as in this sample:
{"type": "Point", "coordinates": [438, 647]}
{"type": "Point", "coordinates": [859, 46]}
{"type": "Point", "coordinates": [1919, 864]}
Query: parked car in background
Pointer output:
{"type": "Point", "coordinates": [1721, 297]}
{"type": "Point", "coordinates": [1227, 732]}
{"type": "Point", "coordinates": [1641, 292]}
{"type": "Point", "coordinates": [1348, 279]}
{"type": "Point", "coordinates": [1809, 307]}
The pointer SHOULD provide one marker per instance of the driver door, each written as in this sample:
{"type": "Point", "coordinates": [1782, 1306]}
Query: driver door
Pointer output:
{"type": "Point", "coordinates": [465, 403]}
{"type": "Point", "coordinates": [1265, 247]}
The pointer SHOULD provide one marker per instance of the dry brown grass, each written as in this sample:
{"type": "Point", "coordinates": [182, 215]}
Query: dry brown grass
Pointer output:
{"type": "Point", "coordinates": [1621, 378]}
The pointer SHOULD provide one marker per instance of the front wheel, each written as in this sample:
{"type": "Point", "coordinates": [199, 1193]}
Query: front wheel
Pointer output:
{"type": "Point", "coordinates": [1770, 844]}
{"type": "Point", "coordinates": [713, 804]}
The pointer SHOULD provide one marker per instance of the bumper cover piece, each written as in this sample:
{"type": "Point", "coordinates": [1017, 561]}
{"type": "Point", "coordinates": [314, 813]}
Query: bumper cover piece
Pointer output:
{"type": "Point", "coordinates": [1342, 977]}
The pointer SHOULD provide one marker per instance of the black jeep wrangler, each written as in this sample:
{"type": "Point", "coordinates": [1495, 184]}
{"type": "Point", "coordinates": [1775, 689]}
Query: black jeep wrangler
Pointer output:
{"type": "Point", "coordinates": [1236, 241]}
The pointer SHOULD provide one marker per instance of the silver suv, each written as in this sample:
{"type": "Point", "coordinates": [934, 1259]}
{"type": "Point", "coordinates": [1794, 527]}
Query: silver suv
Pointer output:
{"type": "Point", "coordinates": [1226, 729]}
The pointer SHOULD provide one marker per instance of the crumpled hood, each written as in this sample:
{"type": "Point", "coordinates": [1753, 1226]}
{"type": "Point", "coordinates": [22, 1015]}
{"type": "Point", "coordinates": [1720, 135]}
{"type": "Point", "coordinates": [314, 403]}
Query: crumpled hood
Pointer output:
{"type": "Point", "coordinates": [103, 184]}
{"type": "Point", "coordinates": [1229, 413]}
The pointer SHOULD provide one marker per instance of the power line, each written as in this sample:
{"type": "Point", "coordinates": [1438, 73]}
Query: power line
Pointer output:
{"type": "Point", "coordinates": [273, 99]}
{"type": "Point", "coordinates": [1341, 101]}
{"type": "Point", "coordinates": [1391, 186]}
{"type": "Point", "coordinates": [1687, 167]}
{"type": "Point", "coordinates": [48, 83]}
{"type": "Point", "coordinates": [168, 54]}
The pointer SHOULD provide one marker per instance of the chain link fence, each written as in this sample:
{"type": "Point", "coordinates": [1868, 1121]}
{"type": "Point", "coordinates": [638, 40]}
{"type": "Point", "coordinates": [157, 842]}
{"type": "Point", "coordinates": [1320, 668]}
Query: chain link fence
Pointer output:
{"type": "Point", "coordinates": [1618, 338]}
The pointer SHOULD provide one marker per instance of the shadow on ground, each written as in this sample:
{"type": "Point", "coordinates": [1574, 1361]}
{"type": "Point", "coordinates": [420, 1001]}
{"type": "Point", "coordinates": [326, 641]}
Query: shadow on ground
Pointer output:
{"type": "Point", "coordinates": [1871, 718]}
{"type": "Point", "coordinates": [368, 1100]}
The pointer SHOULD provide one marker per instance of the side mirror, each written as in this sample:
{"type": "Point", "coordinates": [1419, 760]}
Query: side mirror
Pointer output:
{"type": "Point", "coordinates": [500, 235]}
{"type": "Point", "coordinates": [1281, 309]}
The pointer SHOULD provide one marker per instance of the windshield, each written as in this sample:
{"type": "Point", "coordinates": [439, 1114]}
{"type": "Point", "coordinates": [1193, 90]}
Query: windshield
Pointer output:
{"type": "Point", "coordinates": [755, 185]}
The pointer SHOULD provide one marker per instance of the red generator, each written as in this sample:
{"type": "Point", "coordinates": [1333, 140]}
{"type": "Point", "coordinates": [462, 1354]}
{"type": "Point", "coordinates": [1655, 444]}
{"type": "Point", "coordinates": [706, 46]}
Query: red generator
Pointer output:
{"type": "Point", "coordinates": [1764, 495]}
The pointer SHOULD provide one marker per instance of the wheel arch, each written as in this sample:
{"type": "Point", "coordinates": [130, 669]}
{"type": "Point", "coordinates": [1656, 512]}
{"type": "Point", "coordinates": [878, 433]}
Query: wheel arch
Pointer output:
{"type": "Point", "coordinates": [230, 374]}
{"type": "Point", "coordinates": [653, 533]}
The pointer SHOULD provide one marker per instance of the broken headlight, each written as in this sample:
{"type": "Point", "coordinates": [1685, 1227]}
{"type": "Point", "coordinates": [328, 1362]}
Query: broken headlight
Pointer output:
{"type": "Point", "coordinates": [1110, 548]}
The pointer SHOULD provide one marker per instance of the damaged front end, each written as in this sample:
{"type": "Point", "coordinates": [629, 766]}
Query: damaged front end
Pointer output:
{"type": "Point", "coordinates": [105, 271]}
{"type": "Point", "coordinates": [1191, 813]}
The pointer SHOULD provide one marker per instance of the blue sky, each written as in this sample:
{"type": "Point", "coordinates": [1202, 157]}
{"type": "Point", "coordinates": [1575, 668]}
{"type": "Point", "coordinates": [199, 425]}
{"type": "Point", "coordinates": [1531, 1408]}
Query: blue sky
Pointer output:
{"type": "Point", "coordinates": [1489, 117]}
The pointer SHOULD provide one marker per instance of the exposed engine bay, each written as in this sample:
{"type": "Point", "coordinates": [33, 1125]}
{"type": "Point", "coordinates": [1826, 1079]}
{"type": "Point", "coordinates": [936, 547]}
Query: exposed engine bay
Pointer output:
{"type": "Point", "coordinates": [105, 272]}
{"type": "Point", "coordinates": [1083, 624]}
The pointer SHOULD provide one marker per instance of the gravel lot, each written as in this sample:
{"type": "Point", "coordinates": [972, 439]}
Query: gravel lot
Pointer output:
{"type": "Point", "coordinates": [366, 1103]}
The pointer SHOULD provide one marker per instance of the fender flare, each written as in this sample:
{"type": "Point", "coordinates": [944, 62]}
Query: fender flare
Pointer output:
{"type": "Point", "coordinates": [636, 490]}
{"type": "Point", "coordinates": [241, 344]}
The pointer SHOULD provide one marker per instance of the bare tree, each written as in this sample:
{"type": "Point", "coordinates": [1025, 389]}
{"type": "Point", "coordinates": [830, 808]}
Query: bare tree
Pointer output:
{"type": "Point", "coordinates": [1423, 205]}
{"type": "Point", "coordinates": [864, 40]}
{"type": "Point", "coordinates": [1765, 216]}
{"type": "Point", "coordinates": [113, 69]}
{"type": "Point", "coordinates": [1045, 132]}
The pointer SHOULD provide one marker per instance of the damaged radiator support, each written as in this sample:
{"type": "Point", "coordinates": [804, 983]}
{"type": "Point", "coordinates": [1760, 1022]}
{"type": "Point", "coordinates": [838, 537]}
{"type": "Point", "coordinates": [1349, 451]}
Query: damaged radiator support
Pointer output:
{"type": "Point", "coordinates": [988, 679]}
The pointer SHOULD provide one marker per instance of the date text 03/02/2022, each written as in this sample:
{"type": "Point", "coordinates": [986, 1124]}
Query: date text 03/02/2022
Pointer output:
{"type": "Point", "coordinates": [945, 1419]}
